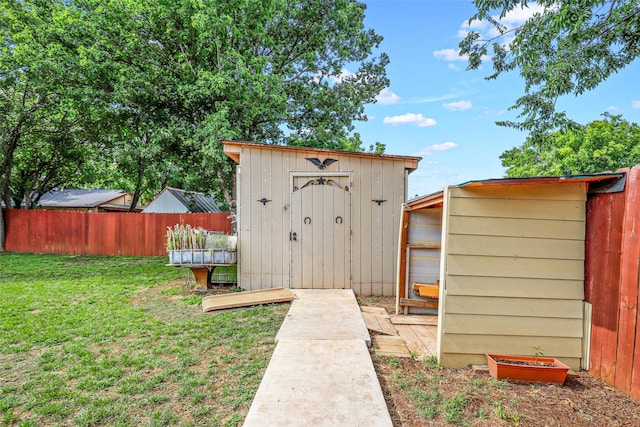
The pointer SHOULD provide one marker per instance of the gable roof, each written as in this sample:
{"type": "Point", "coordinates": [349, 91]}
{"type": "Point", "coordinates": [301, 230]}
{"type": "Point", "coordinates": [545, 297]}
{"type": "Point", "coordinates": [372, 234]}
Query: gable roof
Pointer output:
{"type": "Point", "coordinates": [79, 198]}
{"type": "Point", "coordinates": [193, 200]}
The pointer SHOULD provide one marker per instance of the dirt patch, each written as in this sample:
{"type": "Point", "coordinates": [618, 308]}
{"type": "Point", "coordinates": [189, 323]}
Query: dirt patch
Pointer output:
{"type": "Point", "coordinates": [419, 393]}
{"type": "Point", "coordinates": [174, 301]}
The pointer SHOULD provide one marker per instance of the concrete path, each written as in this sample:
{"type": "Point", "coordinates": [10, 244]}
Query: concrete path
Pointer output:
{"type": "Point", "coordinates": [321, 372]}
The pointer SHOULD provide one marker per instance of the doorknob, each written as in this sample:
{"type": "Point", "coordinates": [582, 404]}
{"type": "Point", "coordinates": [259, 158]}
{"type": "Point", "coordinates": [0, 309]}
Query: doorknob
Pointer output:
{"type": "Point", "coordinates": [292, 236]}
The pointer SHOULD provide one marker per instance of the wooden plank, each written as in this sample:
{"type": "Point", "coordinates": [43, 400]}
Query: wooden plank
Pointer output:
{"type": "Point", "coordinates": [514, 287]}
{"type": "Point", "coordinates": [427, 290]}
{"type": "Point", "coordinates": [610, 285]}
{"type": "Point", "coordinates": [246, 299]}
{"type": "Point", "coordinates": [406, 302]}
{"type": "Point", "coordinates": [527, 209]}
{"type": "Point", "coordinates": [554, 191]}
{"type": "Point", "coordinates": [413, 343]}
{"type": "Point", "coordinates": [533, 268]}
{"type": "Point", "coordinates": [385, 345]}
{"type": "Point", "coordinates": [518, 227]}
{"type": "Point", "coordinates": [401, 273]}
{"type": "Point", "coordinates": [520, 247]}
{"type": "Point", "coordinates": [512, 326]}
{"type": "Point", "coordinates": [413, 319]}
{"type": "Point", "coordinates": [629, 267]}
{"type": "Point", "coordinates": [380, 311]}
{"type": "Point", "coordinates": [428, 336]}
{"type": "Point", "coordinates": [380, 324]}
{"type": "Point", "coordinates": [500, 306]}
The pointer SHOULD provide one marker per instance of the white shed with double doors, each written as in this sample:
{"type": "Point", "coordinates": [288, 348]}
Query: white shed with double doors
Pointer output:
{"type": "Point", "coordinates": [312, 218]}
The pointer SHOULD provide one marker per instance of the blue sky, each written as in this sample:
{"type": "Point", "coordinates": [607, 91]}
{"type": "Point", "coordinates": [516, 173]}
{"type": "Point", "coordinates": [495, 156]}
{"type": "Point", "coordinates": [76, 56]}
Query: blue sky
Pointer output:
{"type": "Point", "coordinates": [436, 109]}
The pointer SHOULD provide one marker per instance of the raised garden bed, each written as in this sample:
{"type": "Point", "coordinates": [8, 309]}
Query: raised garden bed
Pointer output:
{"type": "Point", "coordinates": [202, 256]}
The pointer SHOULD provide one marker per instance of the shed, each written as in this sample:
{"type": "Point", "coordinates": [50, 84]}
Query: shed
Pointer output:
{"type": "Point", "coordinates": [509, 257]}
{"type": "Point", "coordinates": [88, 200]}
{"type": "Point", "coordinates": [312, 218]}
{"type": "Point", "coordinates": [175, 200]}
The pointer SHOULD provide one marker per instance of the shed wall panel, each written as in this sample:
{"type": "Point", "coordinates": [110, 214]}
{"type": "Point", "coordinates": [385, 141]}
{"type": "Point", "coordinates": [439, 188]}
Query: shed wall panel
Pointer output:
{"type": "Point", "coordinates": [472, 324]}
{"type": "Point", "coordinates": [560, 346]}
{"type": "Point", "coordinates": [514, 268]}
{"type": "Point", "coordinates": [264, 229]}
{"type": "Point", "coordinates": [517, 307]}
{"type": "Point", "coordinates": [513, 208]}
{"type": "Point", "coordinates": [517, 227]}
{"type": "Point", "coordinates": [513, 287]}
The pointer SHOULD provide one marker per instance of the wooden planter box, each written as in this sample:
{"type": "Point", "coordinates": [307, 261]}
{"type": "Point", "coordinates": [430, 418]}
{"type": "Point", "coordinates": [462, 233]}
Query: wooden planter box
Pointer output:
{"type": "Point", "coordinates": [530, 369]}
{"type": "Point", "coordinates": [202, 256]}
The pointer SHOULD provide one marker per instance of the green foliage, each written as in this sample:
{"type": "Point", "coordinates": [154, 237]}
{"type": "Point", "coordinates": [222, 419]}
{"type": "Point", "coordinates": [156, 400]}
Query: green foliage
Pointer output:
{"type": "Point", "coordinates": [138, 94]}
{"type": "Point", "coordinates": [602, 145]}
{"type": "Point", "coordinates": [568, 48]}
{"type": "Point", "coordinates": [93, 341]}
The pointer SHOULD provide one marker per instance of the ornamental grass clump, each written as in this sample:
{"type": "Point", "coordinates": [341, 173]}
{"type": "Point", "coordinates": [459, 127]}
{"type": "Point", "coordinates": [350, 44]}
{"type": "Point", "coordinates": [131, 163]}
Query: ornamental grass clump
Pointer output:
{"type": "Point", "coordinates": [184, 236]}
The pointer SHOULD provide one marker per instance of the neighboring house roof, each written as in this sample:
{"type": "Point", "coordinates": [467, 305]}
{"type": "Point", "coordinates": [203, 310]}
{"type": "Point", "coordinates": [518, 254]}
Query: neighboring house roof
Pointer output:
{"type": "Point", "coordinates": [175, 200]}
{"type": "Point", "coordinates": [79, 198]}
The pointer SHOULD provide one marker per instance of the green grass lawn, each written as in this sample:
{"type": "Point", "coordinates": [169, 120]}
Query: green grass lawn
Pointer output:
{"type": "Point", "coordinates": [118, 341]}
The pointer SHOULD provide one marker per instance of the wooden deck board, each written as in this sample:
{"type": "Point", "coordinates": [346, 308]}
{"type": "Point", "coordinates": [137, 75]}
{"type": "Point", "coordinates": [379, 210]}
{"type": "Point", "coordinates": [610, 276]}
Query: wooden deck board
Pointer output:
{"type": "Point", "coordinates": [420, 339]}
{"type": "Point", "coordinates": [375, 310]}
{"type": "Point", "coordinates": [246, 299]}
{"type": "Point", "coordinates": [386, 345]}
{"type": "Point", "coordinates": [413, 319]}
{"type": "Point", "coordinates": [380, 324]}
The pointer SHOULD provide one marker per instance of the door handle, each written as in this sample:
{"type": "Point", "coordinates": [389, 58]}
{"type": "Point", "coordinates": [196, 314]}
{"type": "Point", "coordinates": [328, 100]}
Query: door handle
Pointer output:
{"type": "Point", "coordinates": [293, 236]}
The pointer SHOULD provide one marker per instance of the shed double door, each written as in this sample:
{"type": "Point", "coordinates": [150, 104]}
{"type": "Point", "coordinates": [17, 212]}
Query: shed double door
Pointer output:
{"type": "Point", "coordinates": [321, 234]}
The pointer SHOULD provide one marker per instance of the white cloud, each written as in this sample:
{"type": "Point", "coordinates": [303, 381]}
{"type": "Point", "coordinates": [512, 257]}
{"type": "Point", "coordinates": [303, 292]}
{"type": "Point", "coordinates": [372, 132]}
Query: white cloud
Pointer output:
{"type": "Point", "coordinates": [519, 16]}
{"type": "Point", "coordinates": [453, 66]}
{"type": "Point", "coordinates": [613, 108]}
{"type": "Point", "coordinates": [449, 55]}
{"type": "Point", "coordinates": [458, 105]}
{"type": "Point", "coordinates": [429, 150]}
{"type": "Point", "coordinates": [410, 118]}
{"type": "Point", "coordinates": [386, 97]}
{"type": "Point", "coordinates": [433, 99]}
{"type": "Point", "coordinates": [342, 76]}
{"type": "Point", "coordinates": [635, 104]}
{"type": "Point", "coordinates": [444, 146]}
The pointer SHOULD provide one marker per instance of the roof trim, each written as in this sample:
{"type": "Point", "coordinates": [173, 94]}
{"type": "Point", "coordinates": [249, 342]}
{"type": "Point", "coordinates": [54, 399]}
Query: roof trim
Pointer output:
{"type": "Point", "coordinates": [433, 200]}
{"type": "Point", "coordinates": [543, 180]}
{"type": "Point", "coordinates": [234, 148]}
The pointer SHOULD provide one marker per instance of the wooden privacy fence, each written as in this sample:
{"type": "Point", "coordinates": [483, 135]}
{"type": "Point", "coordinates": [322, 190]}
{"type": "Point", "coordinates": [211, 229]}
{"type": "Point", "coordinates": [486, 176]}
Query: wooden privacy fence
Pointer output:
{"type": "Point", "coordinates": [99, 233]}
{"type": "Point", "coordinates": [612, 285]}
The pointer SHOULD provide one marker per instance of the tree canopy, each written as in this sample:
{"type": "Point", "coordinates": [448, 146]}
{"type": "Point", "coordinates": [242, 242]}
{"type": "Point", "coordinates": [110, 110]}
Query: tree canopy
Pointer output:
{"type": "Point", "coordinates": [602, 145]}
{"type": "Point", "coordinates": [568, 48]}
{"type": "Point", "coordinates": [139, 93]}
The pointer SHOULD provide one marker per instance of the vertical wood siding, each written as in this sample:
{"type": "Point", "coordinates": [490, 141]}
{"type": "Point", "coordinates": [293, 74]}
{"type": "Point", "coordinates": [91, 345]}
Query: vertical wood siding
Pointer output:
{"type": "Point", "coordinates": [612, 283]}
{"type": "Point", "coordinates": [265, 260]}
{"type": "Point", "coordinates": [511, 284]}
{"type": "Point", "coordinates": [99, 233]}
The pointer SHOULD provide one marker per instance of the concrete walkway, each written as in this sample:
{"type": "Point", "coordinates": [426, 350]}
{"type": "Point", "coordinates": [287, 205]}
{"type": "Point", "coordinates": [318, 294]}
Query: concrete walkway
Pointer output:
{"type": "Point", "coordinates": [321, 372]}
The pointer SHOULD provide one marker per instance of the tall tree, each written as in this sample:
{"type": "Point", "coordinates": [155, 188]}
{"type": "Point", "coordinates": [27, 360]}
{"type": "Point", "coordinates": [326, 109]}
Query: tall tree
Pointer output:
{"type": "Point", "coordinates": [602, 145]}
{"type": "Point", "coordinates": [271, 71]}
{"type": "Point", "coordinates": [568, 48]}
{"type": "Point", "coordinates": [45, 103]}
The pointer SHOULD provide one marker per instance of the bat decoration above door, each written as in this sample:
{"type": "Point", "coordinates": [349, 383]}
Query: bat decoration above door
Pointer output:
{"type": "Point", "coordinates": [321, 165]}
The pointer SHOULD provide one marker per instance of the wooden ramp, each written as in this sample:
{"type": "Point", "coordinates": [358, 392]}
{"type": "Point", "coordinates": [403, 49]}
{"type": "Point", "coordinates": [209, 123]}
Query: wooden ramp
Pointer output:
{"type": "Point", "coordinates": [402, 335]}
{"type": "Point", "coordinates": [246, 299]}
